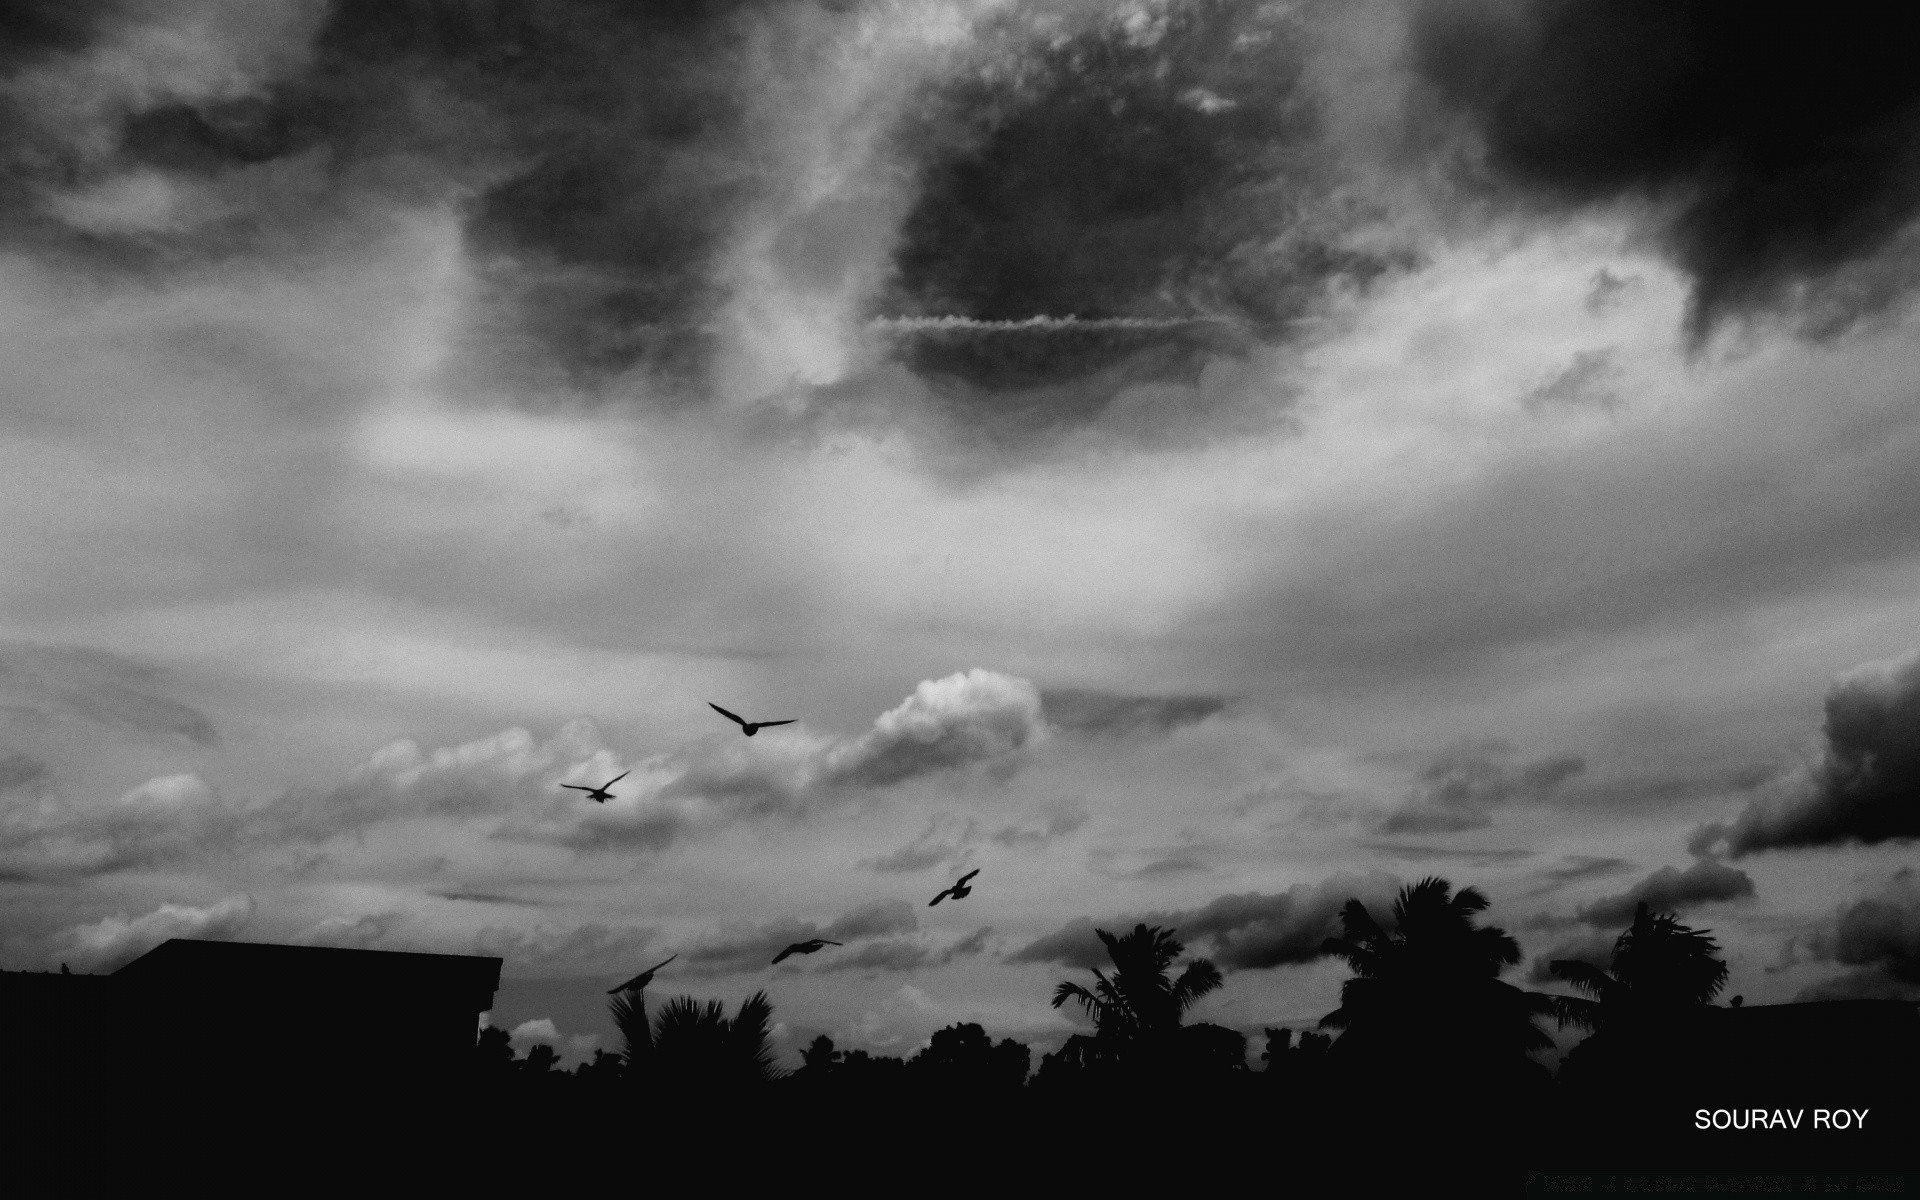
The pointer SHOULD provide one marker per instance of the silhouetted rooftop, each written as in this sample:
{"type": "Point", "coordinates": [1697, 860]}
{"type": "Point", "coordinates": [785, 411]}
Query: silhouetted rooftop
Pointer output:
{"type": "Point", "coordinates": [329, 968]}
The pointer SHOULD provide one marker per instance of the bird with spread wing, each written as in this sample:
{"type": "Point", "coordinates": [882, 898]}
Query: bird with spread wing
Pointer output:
{"type": "Point", "coordinates": [810, 946]}
{"type": "Point", "coordinates": [600, 795]}
{"type": "Point", "coordinates": [639, 982]}
{"type": "Point", "coordinates": [958, 891]}
{"type": "Point", "coordinates": [747, 727]}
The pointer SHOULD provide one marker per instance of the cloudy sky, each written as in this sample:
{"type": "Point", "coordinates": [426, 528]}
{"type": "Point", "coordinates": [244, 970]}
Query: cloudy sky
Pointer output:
{"type": "Point", "coordinates": [1192, 460]}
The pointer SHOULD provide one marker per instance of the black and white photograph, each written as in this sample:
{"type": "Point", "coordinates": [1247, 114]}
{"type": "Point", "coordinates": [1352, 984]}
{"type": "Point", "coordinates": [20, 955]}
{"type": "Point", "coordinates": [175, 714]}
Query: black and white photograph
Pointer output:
{"type": "Point", "coordinates": [987, 593]}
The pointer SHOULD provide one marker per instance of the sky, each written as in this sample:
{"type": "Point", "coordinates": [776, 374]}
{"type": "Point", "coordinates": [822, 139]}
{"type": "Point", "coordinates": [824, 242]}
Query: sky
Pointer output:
{"type": "Point", "coordinates": [1193, 461]}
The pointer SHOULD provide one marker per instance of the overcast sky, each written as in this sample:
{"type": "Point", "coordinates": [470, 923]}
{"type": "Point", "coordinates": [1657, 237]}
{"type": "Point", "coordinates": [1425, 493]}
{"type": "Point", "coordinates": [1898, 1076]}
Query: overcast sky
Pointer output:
{"type": "Point", "coordinates": [1192, 461]}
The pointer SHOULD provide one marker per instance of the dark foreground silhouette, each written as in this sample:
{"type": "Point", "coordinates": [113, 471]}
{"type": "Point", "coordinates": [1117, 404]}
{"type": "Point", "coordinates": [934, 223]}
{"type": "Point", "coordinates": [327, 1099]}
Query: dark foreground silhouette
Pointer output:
{"type": "Point", "coordinates": [1430, 1066]}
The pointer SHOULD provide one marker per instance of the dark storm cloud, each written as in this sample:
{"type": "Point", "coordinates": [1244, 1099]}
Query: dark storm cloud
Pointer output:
{"type": "Point", "coordinates": [32, 30]}
{"type": "Point", "coordinates": [1879, 936]}
{"type": "Point", "coordinates": [1251, 931]}
{"type": "Point", "coordinates": [597, 149]}
{"type": "Point", "coordinates": [1153, 183]}
{"type": "Point", "coordinates": [1865, 788]}
{"type": "Point", "coordinates": [1461, 786]}
{"type": "Point", "coordinates": [67, 683]}
{"type": "Point", "coordinates": [1080, 710]}
{"type": "Point", "coordinates": [1778, 147]}
{"type": "Point", "coordinates": [1669, 890]}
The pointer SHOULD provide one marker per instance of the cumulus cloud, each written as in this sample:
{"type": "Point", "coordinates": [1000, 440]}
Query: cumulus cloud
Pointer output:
{"type": "Point", "coordinates": [1879, 937]}
{"type": "Point", "coordinates": [1461, 786]}
{"type": "Point", "coordinates": [540, 1030]}
{"type": "Point", "coordinates": [506, 786]}
{"type": "Point", "coordinates": [165, 820]}
{"type": "Point", "coordinates": [1865, 788]}
{"type": "Point", "coordinates": [1670, 890]}
{"type": "Point", "coordinates": [1777, 153]}
{"type": "Point", "coordinates": [1081, 710]}
{"type": "Point", "coordinates": [113, 942]}
{"type": "Point", "coordinates": [972, 716]}
{"type": "Point", "coordinates": [1251, 931]}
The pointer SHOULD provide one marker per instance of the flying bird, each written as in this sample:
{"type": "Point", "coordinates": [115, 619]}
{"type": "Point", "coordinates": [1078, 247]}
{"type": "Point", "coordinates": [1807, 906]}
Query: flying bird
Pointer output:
{"type": "Point", "coordinates": [640, 981]}
{"type": "Point", "coordinates": [600, 794]}
{"type": "Point", "coordinates": [747, 727]}
{"type": "Point", "coordinates": [810, 946]}
{"type": "Point", "coordinates": [958, 891]}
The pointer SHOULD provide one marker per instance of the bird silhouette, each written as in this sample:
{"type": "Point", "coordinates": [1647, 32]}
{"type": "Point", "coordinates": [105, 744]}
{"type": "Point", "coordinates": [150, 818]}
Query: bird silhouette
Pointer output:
{"type": "Point", "coordinates": [810, 946]}
{"type": "Point", "coordinates": [958, 891]}
{"type": "Point", "coordinates": [640, 981]}
{"type": "Point", "coordinates": [747, 727]}
{"type": "Point", "coordinates": [599, 794]}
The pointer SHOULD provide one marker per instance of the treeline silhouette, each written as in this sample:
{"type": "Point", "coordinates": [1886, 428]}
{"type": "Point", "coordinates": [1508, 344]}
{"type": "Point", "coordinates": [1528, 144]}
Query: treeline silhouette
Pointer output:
{"type": "Point", "coordinates": [1429, 1049]}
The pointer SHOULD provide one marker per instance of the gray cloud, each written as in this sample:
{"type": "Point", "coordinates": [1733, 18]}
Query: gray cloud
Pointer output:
{"type": "Point", "coordinates": [1251, 931]}
{"type": "Point", "coordinates": [943, 840]}
{"type": "Point", "coordinates": [1864, 787]}
{"type": "Point", "coordinates": [1779, 152]}
{"type": "Point", "coordinates": [1670, 890]}
{"type": "Point", "coordinates": [1575, 867]}
{"type": "Point", "coordinates": [354, 932]}
{"type": "Point", "coordinates": [1595, 949]}
{"type": "Point", "coordinates": [1053, 822]}
{"type": "Point", "coordinates": [69, 683]}
{"type": "Point", "coordinates": [590, 947]}
{"type": "Point", "coordinates": [1082, 710]}
{"type": "Point", "coordinates": [948, 837]}
{"type": "Point", "coordinates": [1461, 786]}
{"type": "Point", "coordinates": [19, 771]}
{"type": "Point", "coordinates": [1583, 384]}
{"type": "Point", "coordinates": [752, 947]}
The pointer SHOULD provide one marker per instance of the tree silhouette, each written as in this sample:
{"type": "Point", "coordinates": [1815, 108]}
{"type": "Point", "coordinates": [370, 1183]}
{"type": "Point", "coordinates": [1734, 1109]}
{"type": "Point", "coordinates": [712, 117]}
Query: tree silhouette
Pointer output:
{"type": "Point", "coordinates": [1137, 1011]}
{"type": "Point", "coordinates": [819, 1057]}
{"type": "Point", "coordinates": [1660, 967]}
{"type": "Point", "coordinates": [1645, 1012]}
{"type": "Point", "coordinates": [1426, 997]}
{"type": "Point", "coordinates": [694, 1044]}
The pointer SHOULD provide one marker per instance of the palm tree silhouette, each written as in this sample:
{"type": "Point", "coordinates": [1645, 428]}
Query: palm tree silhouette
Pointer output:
{"type": "Point", "coordinates": [1660, 967]}
{"type": "Point", "coordinates": [1649, 1015]}
{"type": "Point", "coordinates": [1137, 1012]}
{"type": "Point", "coordinates": [694, 1044]}
{"type": "Point", "coordinates": [1426, 994]}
